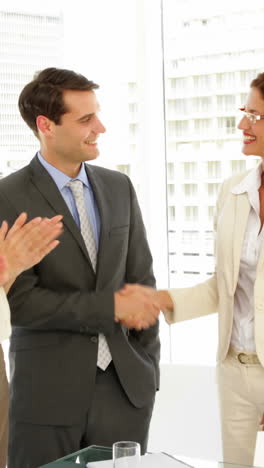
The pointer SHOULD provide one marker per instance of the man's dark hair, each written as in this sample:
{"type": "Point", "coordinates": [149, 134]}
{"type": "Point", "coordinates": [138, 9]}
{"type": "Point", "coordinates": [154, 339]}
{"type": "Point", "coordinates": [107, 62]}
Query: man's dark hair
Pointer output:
{"type": "Point", "coordinates": [258, 83]}
{"type": "Point", "coordinates": [44, 94]}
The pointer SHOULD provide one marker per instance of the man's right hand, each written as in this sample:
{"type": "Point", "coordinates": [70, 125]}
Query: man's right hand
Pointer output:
{"type": "Point", "coordinates": [136, 309]}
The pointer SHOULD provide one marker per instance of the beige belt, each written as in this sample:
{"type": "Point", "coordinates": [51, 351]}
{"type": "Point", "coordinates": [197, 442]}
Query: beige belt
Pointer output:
{"type": "Point", "coordinates": [244, 358]}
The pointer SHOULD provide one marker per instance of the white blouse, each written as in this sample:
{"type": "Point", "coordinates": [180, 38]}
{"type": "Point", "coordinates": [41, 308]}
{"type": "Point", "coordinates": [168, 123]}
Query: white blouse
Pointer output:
{"type": "Point", "coordinates": [243, 321]}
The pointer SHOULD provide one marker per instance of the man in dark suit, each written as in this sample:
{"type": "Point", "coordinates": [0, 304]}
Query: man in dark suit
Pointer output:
{"type": "Point", "coordinates": [84, 357]}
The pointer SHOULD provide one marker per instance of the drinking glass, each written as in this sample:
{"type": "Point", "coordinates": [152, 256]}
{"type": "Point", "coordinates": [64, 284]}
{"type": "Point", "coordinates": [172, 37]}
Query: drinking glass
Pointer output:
{"type": "Point", "coordinates": [126, 454]}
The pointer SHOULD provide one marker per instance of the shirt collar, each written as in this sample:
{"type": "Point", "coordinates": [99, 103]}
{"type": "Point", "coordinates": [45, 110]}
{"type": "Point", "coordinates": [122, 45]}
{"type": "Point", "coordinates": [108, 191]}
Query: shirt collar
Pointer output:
{"type": "Point", "coordinates": [252, 180]}
{"type": "Point", "coordinates": [61, 179]}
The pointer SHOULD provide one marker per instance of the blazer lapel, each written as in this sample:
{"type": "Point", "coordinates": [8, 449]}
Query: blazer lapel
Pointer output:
{"type": "Point", "coordinates": [45, 184]}
{"type": "Point", "coordinates": [240, 219]}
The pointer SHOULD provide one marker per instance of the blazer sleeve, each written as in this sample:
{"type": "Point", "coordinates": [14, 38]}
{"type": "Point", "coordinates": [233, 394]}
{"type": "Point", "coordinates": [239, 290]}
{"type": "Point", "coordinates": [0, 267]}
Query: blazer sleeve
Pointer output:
{"type": "Point", "coordinates": [77, 311]}
{"type": "Point", "coordinates": [139, 270]}
{"type": "Point", "coordinates": [193, 302]}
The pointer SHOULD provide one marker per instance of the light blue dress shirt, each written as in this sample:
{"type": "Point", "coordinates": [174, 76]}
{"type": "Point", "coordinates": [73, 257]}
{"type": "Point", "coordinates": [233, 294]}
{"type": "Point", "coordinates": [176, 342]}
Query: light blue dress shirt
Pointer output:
{"type": "Point", "coordinates": [61, 180]}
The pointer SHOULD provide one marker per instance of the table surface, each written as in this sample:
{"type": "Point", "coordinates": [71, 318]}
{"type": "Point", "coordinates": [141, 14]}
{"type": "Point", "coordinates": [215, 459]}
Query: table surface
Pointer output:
{"type": "Point", "coordinates": [199, 463]}
{"type": "Point", "coordinates": [156, 460]}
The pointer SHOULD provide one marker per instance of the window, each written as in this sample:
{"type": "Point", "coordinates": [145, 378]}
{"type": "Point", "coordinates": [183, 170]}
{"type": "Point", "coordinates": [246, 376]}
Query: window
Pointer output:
{"type": "Point", "coordinates": [178, 83]}
{"type": "Point", "coordinates": [247, 76]}
{"type": "Point", "coordinates": [227, 125]}
{"type": "Point", "coordinates": [226, 103]}
{"type": "Point", "coordinates": [190, 170]}
{"type": "Point", "coordinates": [201, 104]}
{"type": "Point", "coordinates": [202, 82]}
{"type": "Point", "coordinates": [213, 169]}
{"type": "Point", "coordinates": [210, 213]}
{"type": "Point", "coordinates": [172, 214]}
{"type": "Point", "coordinates": [190, 190]}
{"type": "Point", "coordinates": [133, 110]}
{"type": "Point", "coordinates": [191, 214]}
{"type": "Point", "coordinates": [133, 129]}
{"type": "Point", "coordinates": [225, 80]}
{"type": "Point", "coordinates": [170, 169]}
{"type": "Point", "coordinates": [202, 126]}
{"type": "Point", "coordinates": [178, 128]}
{"type": "Point", "coordinates": [212, 192]}
{"type": "Point", "coordinates": [177, 106]}
{"type": "Point", "coordinates": [132, 89]}
{"type": "Point", "coordinates": [171, 190]}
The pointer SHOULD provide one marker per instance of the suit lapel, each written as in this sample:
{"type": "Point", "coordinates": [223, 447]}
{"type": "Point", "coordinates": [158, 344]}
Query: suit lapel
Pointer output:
{"type": "Point", "coordinates": [240, 219]}
{"type": "Point", "coordinates": [45, 184]}
{"type": "Point", "coordinates": [103, 200]}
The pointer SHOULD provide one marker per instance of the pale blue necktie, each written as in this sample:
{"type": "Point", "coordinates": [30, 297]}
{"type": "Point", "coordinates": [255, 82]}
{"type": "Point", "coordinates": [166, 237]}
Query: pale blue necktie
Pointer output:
{"type": "Point", "coordinates": [104, 356]}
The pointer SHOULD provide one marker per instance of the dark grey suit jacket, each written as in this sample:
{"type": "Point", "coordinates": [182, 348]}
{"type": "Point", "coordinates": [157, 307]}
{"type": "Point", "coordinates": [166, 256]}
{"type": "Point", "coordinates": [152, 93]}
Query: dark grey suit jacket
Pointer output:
{"type": "Point", "coordinates": [59, 306]}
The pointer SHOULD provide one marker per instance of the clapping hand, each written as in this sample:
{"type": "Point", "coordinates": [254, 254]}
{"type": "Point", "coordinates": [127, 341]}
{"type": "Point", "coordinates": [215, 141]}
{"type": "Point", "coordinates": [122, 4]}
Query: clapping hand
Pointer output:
{"type": "Point", "coordinates": [26, 244]}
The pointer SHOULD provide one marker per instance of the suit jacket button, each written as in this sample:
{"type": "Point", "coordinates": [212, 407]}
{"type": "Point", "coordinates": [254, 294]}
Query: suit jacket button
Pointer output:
{"type": "Point", "coordinates": [94, 339]}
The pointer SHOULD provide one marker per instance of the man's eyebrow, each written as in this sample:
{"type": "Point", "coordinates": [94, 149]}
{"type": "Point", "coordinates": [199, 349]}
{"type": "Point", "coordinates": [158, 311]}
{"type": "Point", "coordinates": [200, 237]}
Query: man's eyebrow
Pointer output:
{"type": "Point", "coordinates": [85, 117]}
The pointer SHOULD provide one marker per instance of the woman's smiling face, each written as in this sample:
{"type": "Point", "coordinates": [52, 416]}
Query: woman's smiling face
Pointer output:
{"type": "Point", "coordinates": [253, 133]}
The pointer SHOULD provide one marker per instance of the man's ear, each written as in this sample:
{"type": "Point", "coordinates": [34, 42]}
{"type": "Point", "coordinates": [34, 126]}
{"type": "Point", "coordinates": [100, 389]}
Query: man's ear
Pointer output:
{"type": "Point", "coordinates": [44, 124]}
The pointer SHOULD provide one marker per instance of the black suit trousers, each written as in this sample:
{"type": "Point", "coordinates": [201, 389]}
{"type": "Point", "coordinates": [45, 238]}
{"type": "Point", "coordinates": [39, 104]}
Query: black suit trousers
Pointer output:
{"type": "Point", "coordinates": [110, 418]}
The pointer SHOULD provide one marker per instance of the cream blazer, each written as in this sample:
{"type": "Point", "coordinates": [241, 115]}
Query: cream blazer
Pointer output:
{"type": "Point", "coordinates": [5, 326]}
{"type": "Point", "coordinates": [217, 293]}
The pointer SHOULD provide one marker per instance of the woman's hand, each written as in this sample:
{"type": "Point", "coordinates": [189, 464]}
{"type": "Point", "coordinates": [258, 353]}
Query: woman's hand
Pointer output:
{"type": "Point", "coordinates": [26, 244]}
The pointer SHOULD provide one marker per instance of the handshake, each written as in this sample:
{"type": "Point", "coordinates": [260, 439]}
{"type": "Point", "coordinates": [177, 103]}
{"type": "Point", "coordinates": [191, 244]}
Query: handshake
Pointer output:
{"type": "Point", "coordinates": [139, 306]}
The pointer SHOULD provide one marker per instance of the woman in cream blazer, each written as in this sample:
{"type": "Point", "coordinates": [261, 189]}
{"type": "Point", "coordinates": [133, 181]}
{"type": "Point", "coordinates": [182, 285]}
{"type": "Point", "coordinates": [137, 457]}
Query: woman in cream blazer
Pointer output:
{"type": "Point", "coordinates": [24, 245]}
{"type": "Point", "coordinates": [236, 292]}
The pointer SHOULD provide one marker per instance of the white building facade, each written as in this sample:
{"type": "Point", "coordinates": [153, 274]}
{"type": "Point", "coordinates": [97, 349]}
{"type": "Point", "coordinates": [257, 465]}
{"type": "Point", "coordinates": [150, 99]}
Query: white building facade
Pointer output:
{"type": "Point", "coordinates": [29, 42]}
{"type": "Point", "coordinates": [211, 56]}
